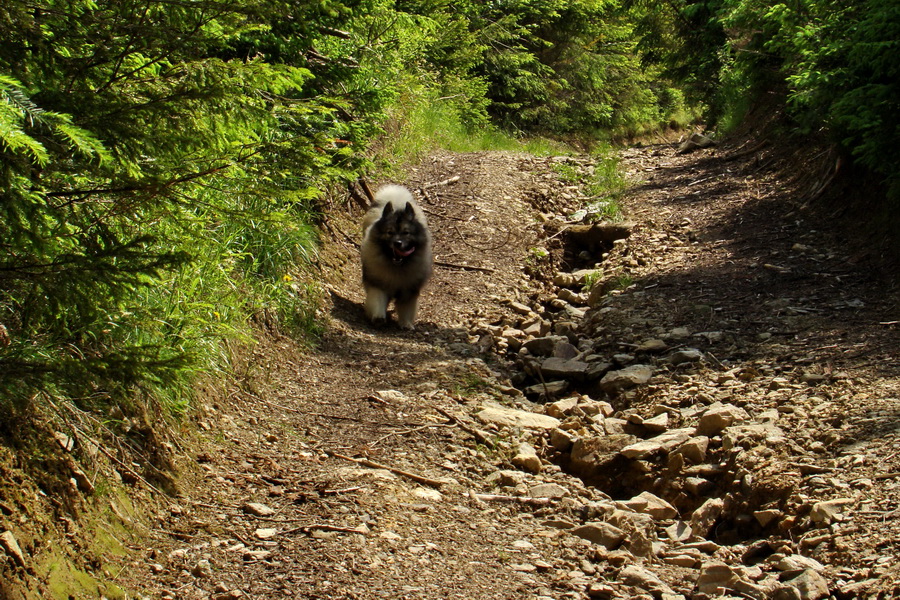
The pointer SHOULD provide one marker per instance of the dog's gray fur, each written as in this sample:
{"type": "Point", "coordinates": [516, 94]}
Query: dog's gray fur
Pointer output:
{"type": "Point", "coordinates": [396, 255]}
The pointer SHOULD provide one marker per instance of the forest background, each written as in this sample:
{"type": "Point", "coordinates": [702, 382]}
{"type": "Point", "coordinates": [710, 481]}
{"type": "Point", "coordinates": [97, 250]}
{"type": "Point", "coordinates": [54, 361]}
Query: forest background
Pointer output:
{"type": "Point", "coordinates": [165, 166]}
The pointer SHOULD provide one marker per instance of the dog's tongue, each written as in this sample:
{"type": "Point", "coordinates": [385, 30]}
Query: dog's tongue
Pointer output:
{"type": "Point", "coordinates": [404, 253]}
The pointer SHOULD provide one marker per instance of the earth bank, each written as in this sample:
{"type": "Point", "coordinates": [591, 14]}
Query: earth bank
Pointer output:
{"type": "Point", "coordinates": [701, 402]}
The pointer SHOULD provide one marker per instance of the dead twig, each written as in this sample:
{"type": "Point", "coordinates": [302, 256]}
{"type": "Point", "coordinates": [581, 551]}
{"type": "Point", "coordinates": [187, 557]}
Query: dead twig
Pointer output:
{"type": "Point", "coordinates": [448, 181]}
{"type": "Point", "coordinates": [374, 465]}
{"type": "Point", "coordinates": [511, 499]}
{"type": "Point", "coordinates": [324, 527]}
{"type": "Point", "coordinates": [463, 267]}
{"type": "Point", "coordinates": [484, 248]}
{"type": "Point", "coordinates": [479, 437]}
{"type": "Point", "coordinates": [406, 431]}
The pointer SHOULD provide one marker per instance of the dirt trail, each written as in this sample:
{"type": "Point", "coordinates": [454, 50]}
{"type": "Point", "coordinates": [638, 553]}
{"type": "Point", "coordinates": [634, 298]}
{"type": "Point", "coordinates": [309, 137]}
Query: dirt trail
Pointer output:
{"type": "Point", "coordinates": [283, 497]}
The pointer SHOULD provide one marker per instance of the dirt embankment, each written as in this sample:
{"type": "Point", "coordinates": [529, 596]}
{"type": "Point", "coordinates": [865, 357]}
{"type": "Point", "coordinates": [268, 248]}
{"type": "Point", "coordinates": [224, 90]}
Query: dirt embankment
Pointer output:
{"type": "Point", "coordinates": [496, 452]}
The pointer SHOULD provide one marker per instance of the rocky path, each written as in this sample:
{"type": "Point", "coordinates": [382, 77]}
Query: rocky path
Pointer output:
{"type": "Point", "coordinates": [716, 417]}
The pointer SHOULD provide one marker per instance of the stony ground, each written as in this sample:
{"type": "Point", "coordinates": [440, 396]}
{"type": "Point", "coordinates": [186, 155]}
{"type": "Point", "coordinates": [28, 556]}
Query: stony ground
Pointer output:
{"type": "Point", "coordinates": [716, 417]}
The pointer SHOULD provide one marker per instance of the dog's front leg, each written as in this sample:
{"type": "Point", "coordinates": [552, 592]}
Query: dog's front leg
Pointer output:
{"type": "Point", "coordinates": [376, 305]}
{"type": "Point", "coordinates": [406, 311]}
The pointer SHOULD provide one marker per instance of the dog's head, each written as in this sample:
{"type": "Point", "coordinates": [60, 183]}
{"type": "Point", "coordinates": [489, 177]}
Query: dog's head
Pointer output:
{"type": "Point", "coordinates": [400, 232]}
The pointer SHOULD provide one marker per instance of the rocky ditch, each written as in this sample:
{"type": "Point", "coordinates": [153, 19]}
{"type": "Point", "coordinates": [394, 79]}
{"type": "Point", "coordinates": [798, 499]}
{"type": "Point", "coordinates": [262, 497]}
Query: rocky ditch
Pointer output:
{"type": "Point", "coordinates": [716, 463]}
{"type": "Point", "coordinates": [706, 490]}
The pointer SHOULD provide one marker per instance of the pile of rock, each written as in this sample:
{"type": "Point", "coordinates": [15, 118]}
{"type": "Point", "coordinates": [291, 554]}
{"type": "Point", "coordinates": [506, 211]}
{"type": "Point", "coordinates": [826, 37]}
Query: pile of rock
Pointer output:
{"type": "Point", "coordinates": [649, 546]}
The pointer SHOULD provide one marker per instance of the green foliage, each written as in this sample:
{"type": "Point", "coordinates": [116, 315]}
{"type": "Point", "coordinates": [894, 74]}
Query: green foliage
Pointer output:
{"type": "Point", "coordinates": [160, 166]}
{"type": "Point", "coordinates": [834, 61]}
{"type": "Point", "coordinates": [565, 67]}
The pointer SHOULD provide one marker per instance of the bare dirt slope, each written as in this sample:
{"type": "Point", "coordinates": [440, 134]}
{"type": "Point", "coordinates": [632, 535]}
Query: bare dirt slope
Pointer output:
{"type": "Point", "coordinates": [366, 469]}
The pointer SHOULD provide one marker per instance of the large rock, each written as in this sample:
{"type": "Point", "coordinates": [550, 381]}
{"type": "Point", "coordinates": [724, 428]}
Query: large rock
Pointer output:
{"type": "Point", "coordinates": [543, 346]}
{"type": "Point", "coordinates": [562, 439]}
{"type": "Point", "coordinates": [625, 379]}
{"type": "Point", "coordinates": [512, 417]}
{"type": "Point", "coordinates": [705, 516]}
{"type": "Point", "coordinates": [824, 512]}
{"type": "Point", "coordinates": [565, 368]}
{"type": "Point", "coordinates": [604, 534]}
{"type": "Point", "coordinates": [548, 390]}
{"type": "Point", "coordinates": [808, 585]}
{"type": "Point", "coordinates": [10, 545]}
{"type": "Point", "coordinates": [527, 459]}
{"type": "Point", "coordinates": [651, 504]}
{"type": "Point", "coordinates": [646, 580]}
{"type": "Point", "coordinates": [719, 416]}
{"type": "Point", "coordinates": [591, 455]}
{"type": "Point", "coordinates": [716, 578]}
{"type": "Point", "coordinates": [663, 442]}
{"type": "Point", "coordinates": [598, 236]}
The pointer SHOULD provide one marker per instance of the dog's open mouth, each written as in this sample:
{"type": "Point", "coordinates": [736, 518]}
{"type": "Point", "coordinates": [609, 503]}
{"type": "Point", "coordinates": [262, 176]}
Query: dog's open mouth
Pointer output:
{"type": "Point", "coordinates": [401, 254]}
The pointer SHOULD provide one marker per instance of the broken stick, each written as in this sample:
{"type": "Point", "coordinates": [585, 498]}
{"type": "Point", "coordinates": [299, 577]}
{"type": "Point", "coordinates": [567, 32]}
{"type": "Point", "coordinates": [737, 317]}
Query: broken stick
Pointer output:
{"type": "Point", "coordinates": [374, 465]}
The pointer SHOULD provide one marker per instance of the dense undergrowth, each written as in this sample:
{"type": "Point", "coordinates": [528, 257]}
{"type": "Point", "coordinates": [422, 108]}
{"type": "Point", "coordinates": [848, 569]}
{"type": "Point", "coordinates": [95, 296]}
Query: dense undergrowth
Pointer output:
{"type": "Point", "coordinates": [163, 165]}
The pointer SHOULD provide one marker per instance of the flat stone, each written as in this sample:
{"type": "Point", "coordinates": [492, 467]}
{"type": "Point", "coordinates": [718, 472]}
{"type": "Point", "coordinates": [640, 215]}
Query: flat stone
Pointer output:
{"type": "Point", "coordinates": [520, 308]}
{"type": "Point", "coordinates": [651, 504]}
{"type": "Point", "coordinates": [824, 512]}
{"type": "Point", "coordinates": [698, 486]}
{"type": "Point", "coordinates": [258, 510]}
{"type": "Point", "coordinates": [657, 424]}
{"type": "Point", "coordinates": [506, 477]}
{"type": "Point", "coordinates": [566, 368]}
{"type": "Point", "coordinates": [11, 546]}
{"type": "Point", "coordinates": [543, 346]}
{"type": "Point", "coordinates": [764, 517]}
{"type": "Point", "coordinates": [626, 379]}
{"type": "Point", "coordinates": [705, 516]}
{"type": "Point", "coordinates": [604, 534]}
{"type": "Point", "coordinates": [548, 390]}
{"type": "Point", "coordinates": [694, 449]}
{"type": "Point", "coordinates": [719, 416]}
{"type": "Point", "coordinates": [562, 440]}
{"type": "Point", "coordinates": [563, 349]}
{"type": "Point", "coordinates": [527, 459]}
{"type": "Point", "coordinates": [266, 533]}
{"type": "Point", "coordinates": [512, 417]}
{"type": "Point", "coordinates": [768, 433]}
{"type": "Point", "coordinates": [652, 346]}
{"type": "Point", "coordinates": [664, 442]}
{"type": "Point", "coordinates": [590, 455]}
{"type": "Point", "coordinates": [644, 579]}
{"type": "Point", "coordinates": [548, 490]}
{"type": "Point", "coordinates": [798, 562]}
{"type": "Point", "coordinates": [809, 584]}
{"type": "Point", "coordinates": [715, 578]}
{"type": "Point", "coordinates": [687, 355]}
{"type": "Point", "coordinates": [679, 531]}
{"type": "Point", "coordinates": [392, 396]}
{"type": "Point", "coordinates": [561, 408]}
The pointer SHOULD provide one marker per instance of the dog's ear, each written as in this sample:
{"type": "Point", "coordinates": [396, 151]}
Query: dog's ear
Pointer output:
{"type": "Point", "coordinates": [409, 210]}
{"type": "Point", "coordinates": [388, 209]}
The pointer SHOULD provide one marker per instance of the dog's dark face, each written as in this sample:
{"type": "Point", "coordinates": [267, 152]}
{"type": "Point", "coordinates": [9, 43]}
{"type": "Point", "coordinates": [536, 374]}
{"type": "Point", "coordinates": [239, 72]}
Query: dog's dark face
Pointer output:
{"type": "Point", "coordinates": [399, 233]}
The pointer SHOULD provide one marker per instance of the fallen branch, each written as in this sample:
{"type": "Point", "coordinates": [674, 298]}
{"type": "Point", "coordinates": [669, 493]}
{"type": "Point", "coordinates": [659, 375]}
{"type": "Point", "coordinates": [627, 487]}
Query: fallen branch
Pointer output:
{"type": "Point", "coordinates": [374, 465]}
{"type": "Point", "coordinates": [479, 437]}
{"type": "Point", "coordinates": [406, 431]}
{"type": "Point", "coordinates": [323, 527]}
{"type": "Point", "coordinates": [512, 499]}
{"type": "Point", "coordinates": [463, 267]}
{"type": "Point", "coordinates": [449, 181]}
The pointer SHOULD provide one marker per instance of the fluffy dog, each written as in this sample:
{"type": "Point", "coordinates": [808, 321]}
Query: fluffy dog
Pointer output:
{"type": "Point", "coordinates": [396, 255]}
